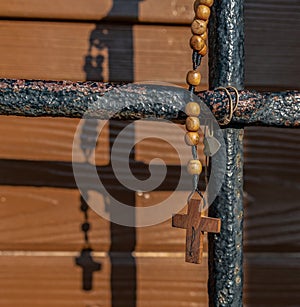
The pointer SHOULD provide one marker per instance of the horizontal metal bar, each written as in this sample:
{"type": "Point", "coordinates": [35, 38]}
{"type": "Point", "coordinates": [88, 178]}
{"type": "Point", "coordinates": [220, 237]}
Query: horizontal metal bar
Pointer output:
{"type": "Point", "coordinates": [105, 100]}
{"type": "Point", "coordinates": [280, 109]}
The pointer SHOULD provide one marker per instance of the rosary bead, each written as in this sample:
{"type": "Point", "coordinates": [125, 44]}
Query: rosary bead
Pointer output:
{"type": "Point", "coordinates": [192, 124]}
{"type": "Point", "coordinates": [209, 3]}
{"type": "Point", "coordinates": [192, 138]}
{"type": "Point", "coordinates": [194, 167]}
{"type": "Point", "coordinates": [192, 109]}
{"type": "Point", "coordinates": [203, 12]}
{"type": "Point", "coordinates": [204, 36]}
{"type": "Point", "coordinates": [85, 227]}
{"type": "Point", "coordinates": [193, 78]}
{"type": "Point", "coordinates": [203, 51]}
{"type": "Point", "coordinates": [197, 43]}
{"type": "Point", "coordinates": [199, 26]}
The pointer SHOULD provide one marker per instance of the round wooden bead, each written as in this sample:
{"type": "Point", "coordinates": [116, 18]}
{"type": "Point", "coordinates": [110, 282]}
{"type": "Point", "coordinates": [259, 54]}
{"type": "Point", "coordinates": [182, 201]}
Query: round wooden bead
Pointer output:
{"type": "Point", "coordinates": [192, 138]}
{"type": "Point", "coordinates": [192, 124]}
{"type": "Point", "coordinates": [203, 51]}
{"type": "Point", "coordinates": [203, 12]}
{"type": "Point", "coordinates": [194, 167]}
{"type": "Point", "coordinates": [199, 26]}
{"type": "Point", "coordinates": [209, 3]}
{"type": "Point", "coordinates": [193, 77]}
{"type": "Point", "coordinates": [204, 36]}
{"type": "Point", "coordinates": [192, 109]}
{"type": "Point", "coordinates": [197, 43]}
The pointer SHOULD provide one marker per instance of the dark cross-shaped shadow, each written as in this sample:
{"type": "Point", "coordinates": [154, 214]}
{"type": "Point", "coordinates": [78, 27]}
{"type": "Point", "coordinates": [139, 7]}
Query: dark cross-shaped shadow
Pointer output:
{"type": "Point", "coordinates": [60, 174]}
{"type": "Point", "coordinates": [115, 43]}
{"type": "Point", "coordinates": [89, 266]}
{"type": "Point", "coordinates": [123, 268]}
{"type": "Point", "coordinates": [112, 44]}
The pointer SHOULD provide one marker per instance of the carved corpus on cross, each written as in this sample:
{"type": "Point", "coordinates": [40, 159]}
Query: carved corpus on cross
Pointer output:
{"type": "Point", "coordinates": [195, 225]}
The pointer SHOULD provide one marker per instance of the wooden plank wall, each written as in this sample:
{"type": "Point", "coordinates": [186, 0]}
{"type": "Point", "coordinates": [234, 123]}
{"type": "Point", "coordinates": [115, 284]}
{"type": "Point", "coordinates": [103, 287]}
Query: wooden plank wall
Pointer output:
{"type": "Point", "coordinates": [131, 40]}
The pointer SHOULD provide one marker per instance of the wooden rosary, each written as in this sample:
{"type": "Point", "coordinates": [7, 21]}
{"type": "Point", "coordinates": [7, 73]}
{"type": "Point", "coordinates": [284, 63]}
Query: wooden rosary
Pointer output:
{"type": "Point", "coordinates": [194, 222]}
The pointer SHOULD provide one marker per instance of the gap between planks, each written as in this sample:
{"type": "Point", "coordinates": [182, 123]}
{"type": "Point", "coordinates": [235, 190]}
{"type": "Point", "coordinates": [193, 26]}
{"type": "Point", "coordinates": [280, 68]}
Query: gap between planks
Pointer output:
{"type": "Point", "coordinates": [287, 255]}
{"type": "Point", "coordinates": [95, 254]}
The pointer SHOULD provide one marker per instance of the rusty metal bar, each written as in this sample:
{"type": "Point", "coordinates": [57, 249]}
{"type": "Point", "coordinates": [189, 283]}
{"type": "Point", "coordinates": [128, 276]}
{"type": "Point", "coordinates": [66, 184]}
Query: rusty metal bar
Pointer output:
{"type": "Point", "coordinates": [70, 99]}
{"type": "Point", "coordinates": [226, 65]}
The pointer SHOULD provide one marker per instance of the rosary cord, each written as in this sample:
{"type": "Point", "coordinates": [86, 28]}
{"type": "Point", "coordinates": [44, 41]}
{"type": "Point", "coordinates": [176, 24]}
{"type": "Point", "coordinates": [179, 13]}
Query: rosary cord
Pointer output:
{"type": "Point", "coordinates": [198, 43]}
{"type": "Point", "coordinates": [193, 137]}
{"type": "Point", "coordinates": [85, 227]}
{"type": "Point", "coordinates": [195, 177]}
{"type": "Point", "coordinates": [196, 59]}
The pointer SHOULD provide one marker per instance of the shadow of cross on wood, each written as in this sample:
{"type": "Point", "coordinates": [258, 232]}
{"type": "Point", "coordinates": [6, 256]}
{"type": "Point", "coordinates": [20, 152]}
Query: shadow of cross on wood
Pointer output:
{"type": "Point", "coordinates": [195, 225]}
{"type": "Point", "coordinates": [89, 266]}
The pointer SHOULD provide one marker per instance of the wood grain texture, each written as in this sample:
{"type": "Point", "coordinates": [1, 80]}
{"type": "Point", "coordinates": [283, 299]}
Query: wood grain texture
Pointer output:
{"type": "Point", "coordinates": [51, 139]}
{"type": "Point", "coordinates": [49, 219]}
{"type": "Point", "coordinates": [154, 11]}
{"type": "Point", "coordinates": [45, 50]}
{"type": "Point", "coordinates": [80, 51]}
{"type": "Point", "coordinates": [49, 281]}
{"type": "Point", "coordinates": [272, 189]}
{"type": "Point", "coordinates": [57, 282]}
{"type": "Point", "coordinates": [270, 280]}
{"type": "Point", "coordinates": [272, 52]}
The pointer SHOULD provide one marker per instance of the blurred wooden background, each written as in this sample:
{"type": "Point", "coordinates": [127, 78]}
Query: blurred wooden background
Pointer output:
{"type": "Point", "coordinates": [132, 40]}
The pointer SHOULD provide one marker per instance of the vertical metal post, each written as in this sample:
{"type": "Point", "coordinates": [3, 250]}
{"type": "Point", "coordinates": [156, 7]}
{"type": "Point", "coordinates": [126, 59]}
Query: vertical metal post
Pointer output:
{"type": "Point", "coordinates": [226, 63]}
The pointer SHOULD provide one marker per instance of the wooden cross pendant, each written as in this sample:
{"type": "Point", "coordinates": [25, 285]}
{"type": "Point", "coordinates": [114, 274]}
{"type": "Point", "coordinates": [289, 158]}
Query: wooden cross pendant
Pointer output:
{"type": "Point", "coordinates": [195, 226]}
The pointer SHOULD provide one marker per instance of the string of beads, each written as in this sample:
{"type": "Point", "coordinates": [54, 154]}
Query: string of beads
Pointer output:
{"type": "Point", "coordinates": [193, 79]}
